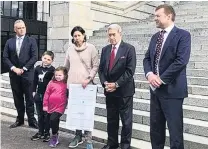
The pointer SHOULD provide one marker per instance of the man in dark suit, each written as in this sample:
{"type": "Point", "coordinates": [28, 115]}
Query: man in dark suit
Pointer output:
{"type": "Point", "coordinates": [20, 55]}
{"type": "Point", "coordinates": [165, 65]}
{"type": "Point", "coordinates": [116, 70]}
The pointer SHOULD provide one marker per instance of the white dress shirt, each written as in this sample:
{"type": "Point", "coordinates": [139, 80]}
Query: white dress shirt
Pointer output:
{"type": "Point", "coordinates": [167, 31]}
{"type": "Point", "coordinates": [117, 46]}
{"type": "Point", "coordinates": [18, 47]}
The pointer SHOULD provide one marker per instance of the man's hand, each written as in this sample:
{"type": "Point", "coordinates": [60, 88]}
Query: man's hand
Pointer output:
{"type": "Point", "coordinates": [154, 80]}
{"type": "Point", "coordinates": [85, 83]}
{"type": "Point", "coordinates": [22, 70]}
{"type": "Point", "coordinates": [18, 71]}
{"type": "Point", "coordinates": [110, 87]}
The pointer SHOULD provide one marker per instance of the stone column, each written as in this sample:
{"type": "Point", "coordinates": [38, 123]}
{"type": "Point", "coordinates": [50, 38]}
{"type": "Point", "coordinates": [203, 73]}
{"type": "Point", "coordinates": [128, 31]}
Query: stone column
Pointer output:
{"type": "Point", "coordinates": [80, 13]}
{"type": "Point", "coordinates": [58, 30]}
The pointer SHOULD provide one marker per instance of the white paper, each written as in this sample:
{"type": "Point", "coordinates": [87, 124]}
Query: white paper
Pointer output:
{"type": "Point", "coordinates": [81, 107]}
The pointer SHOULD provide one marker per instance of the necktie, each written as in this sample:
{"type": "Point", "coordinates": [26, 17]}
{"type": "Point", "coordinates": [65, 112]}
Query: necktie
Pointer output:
{"type": "Point", "coordinates": [158, 50]}
{"type": "Point", "coordinates": [112, 57]}
{"type": "Point", "coordinates": [18, 46]}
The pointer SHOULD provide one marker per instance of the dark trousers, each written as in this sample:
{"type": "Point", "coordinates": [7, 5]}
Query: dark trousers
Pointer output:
{"type": "Point", "coordinates": [54, 119]}
{"type": "Point", "coordinates": [43, 122]}
{"type": "Point", "coordinates": [124, 107]}
{"type": "Point", "coordinates": [20, 86]}
{"type": "Point", "coordinates": [162, 110]}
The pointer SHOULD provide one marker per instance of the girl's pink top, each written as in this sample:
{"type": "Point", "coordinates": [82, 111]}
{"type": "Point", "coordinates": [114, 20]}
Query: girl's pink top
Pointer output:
{"type": "Point", "coordinates": [55, 97]}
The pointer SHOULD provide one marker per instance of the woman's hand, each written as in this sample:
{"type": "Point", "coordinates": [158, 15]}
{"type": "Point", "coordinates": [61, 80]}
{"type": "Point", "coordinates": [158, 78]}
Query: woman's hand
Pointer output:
{"type": "Point", "coordinates": [85, 83]}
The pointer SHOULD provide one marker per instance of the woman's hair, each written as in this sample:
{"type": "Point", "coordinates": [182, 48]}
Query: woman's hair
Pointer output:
{"type": "Point", "coordinates": [50, 53]}
{"type": "Point", "coordinates": [81, 30]}
{"type": "Point", "coordinates": [65, 72]}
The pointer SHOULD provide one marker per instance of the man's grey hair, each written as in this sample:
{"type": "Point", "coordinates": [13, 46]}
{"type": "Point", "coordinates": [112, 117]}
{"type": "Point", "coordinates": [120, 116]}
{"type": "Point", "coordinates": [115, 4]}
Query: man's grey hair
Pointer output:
{"type": "Point", "coordinates": [115, 26]}
{"type": "Point", "coordinates": [18, 21]}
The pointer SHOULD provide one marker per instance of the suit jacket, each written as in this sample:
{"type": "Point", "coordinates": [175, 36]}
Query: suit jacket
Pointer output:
{"type": "Point", "coordinates": [122, 71]}
{"type": "Point", "coordinates": [172, 64]}
{"type": "Point", "coordinates": [28, 56]}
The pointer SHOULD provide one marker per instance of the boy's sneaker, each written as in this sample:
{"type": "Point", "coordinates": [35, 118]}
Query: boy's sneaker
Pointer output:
{"type": "Point", "coordinates": [37, 136]}
{"type": "Point", "coordinates": [54, 141]}
{"type": "Point", "coordinates": [76, 141]}
{"type": "Point", "coordinates": [89, 146]}
{"type": "Point", "coordinates": [46, 138]}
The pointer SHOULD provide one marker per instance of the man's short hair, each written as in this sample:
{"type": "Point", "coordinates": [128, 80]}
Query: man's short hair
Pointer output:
{"type": "Point", "coordinates": [18, 21]}
{"type": "Point", "coordinates": [115, 26]}
{"type": "Point", "coordinates": [168, 9]}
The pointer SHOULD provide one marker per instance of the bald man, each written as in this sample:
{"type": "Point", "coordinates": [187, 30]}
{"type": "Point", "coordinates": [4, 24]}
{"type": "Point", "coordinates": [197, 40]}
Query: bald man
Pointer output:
{"type": "Point", "coordinates": [20, 55]}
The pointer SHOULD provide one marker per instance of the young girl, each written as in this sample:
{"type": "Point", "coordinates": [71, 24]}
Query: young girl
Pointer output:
{"type": "Point", "coordinates": [55, 101]}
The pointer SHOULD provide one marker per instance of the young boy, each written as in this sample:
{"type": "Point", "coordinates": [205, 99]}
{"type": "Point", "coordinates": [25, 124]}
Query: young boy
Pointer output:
{"type": "Point", "coordinates": [43, 74]}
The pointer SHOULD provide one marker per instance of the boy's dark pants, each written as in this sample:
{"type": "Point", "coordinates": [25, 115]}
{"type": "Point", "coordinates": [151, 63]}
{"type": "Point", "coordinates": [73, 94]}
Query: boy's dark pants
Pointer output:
{"type": "Point", "coordinates": [43, 122]}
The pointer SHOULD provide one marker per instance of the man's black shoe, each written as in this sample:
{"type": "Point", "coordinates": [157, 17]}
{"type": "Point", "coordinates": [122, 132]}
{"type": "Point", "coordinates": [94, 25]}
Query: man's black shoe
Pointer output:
{"type": "Point", "coordinates": [108, 147]}
{"type": "Point", "coordinates": [16, 124]}
{"type": "Point", "coordinates": [34, 125]}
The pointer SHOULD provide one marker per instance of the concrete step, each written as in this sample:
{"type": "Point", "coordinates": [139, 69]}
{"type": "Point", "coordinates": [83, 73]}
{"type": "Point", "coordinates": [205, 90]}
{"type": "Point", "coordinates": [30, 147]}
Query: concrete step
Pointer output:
{"type": "Point", "coordinates": [191, 16]}
{"type": "Point", "coordinates": [192, 89]}
{"type": "Point", "coordinates": [195, 100]}
{"type": "Point", "coordinates": [142, 48]}
{"type": "Point", "coordinates": [184, 3]}
{"type": "Point", "coordinates": [141, 132]}
{"type": "Point", "coordinates": [195, 57]}
{"type": "Point", "coordinates": [143, 40]}
{"type": "Point", "coordinates": [149, 32]}
{"type": "Point", "coordinates": [197, 113]}
{"type": "Point", "coordinates": [189, 8]}
{"type": "Point", "coordinates": [191, 126]}
{"type": "Point", "coordinates": [139, 37]}
{"type": "Point", "coordinates": [140, 82]}
{"type": "Point", "coordinates": [98, 135]}
{"type": "Point", "coordinates": [202, 81]}
{"type": "Point", "coordinates": [151, 24]}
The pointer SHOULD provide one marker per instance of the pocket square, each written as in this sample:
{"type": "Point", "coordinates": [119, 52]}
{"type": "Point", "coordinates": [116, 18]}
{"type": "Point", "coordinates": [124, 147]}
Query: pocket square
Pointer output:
{"type": "Point", "coordinates": [122, 57]}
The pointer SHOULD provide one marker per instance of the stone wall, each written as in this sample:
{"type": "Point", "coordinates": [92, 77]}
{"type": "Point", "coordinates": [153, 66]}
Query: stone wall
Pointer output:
{"type": "Point", "coordinates": [91, 15]}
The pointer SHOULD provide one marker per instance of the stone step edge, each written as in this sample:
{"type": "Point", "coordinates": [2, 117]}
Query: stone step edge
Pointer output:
{"type": "Point", "coordinates": [136, 112]}
{"type": "Point", "coordinates": [199, 109]}
{"type": "Point", "coordinates": [138, 81]}
{"type": "Point", "coordinates": [144, 128]}
{"type": "Point", "coordinates": [98, 135]}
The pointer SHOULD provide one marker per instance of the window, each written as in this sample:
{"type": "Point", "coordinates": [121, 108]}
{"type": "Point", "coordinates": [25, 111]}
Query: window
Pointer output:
{"type": "Point", "coordinates": [7, 8]}
{"type": "Point", "coordinates": [41, 42]}
{"type": "Point", "coordinates": [30, 10]}
{"type": "Point", "coordinates": [20, 9]}
{"type": "Point", "coordinates": [1, 9]}
{"type": "Point", "coordinates": [15, 9]}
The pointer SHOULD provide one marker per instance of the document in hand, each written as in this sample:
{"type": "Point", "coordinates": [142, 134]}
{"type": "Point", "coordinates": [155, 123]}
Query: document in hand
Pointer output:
{"type": "Point", "coordinates": [81, 107]}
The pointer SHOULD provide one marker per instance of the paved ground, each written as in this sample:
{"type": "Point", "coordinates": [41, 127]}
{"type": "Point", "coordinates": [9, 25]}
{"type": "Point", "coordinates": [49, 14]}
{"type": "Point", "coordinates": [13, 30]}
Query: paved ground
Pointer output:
{"type": "Point", "coordinates": [19, 138]}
